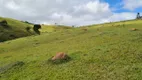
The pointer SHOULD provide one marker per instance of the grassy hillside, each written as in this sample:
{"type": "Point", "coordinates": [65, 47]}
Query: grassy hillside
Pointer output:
{"type": "Point", "coordinates": [104, 52]}
{"type": "Point", "coordinates": [14, 29]}
{"type": "Point", "coordinates": [53, 28]}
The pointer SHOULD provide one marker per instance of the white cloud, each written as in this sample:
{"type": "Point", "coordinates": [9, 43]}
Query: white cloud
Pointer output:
{"type": "Point", "coordinates": [132, 4]}
{"type": "Point", "coordinates": [115, 17]}
{"type": "Point", "coordinates": [11, 5]}
{"type": "Point", "coordinates": [122, 16]}
{"type": "Point", "coordinates": [68, 12]}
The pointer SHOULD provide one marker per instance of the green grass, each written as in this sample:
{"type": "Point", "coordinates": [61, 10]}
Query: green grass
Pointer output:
{"type": "Point", "coordinates": [103, 52]}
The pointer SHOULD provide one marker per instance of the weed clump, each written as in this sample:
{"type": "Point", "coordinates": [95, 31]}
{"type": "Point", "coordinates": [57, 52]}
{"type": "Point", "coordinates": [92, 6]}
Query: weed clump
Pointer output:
{"type": "Point", "coordinates": [14, 65]}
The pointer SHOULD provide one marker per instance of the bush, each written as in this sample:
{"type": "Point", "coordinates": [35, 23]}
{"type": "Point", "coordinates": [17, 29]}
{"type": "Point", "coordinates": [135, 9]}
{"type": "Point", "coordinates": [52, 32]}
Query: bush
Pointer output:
{"type": "Point", "coordinates": [36, 28]}
{"type": "Point", "coordinates": [4, 22]}
{"type": "Point", "coordinates": [28, 29]}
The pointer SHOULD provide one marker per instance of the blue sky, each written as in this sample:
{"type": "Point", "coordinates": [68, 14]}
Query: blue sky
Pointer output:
{"type": "Point", "coordinates": [70, 12]}
{"type": "Point", "coordinates": [118, 5]}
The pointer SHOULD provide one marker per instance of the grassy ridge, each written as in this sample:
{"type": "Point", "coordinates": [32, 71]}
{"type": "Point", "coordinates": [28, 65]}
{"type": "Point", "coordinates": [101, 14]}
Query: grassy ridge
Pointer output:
{"type": "Point", "coordinates": [103, 52]}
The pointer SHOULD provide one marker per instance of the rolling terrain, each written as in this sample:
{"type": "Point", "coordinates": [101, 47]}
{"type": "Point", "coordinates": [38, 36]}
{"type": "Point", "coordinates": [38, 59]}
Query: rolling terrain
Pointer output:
{"type": "Point", "coordinates": [110, 51]}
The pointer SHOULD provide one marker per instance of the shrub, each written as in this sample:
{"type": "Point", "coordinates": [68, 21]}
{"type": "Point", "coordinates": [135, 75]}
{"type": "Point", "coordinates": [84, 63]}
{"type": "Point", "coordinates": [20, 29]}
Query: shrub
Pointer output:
{"type": "Point", "coordinates": [4, 22]}
{"type": "Point", "coordinates": [28, 29]}
{"type": "Point", "coordinates": [36, 28]}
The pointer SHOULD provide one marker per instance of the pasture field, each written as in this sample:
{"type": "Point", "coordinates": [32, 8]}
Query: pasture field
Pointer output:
{"type": "Point", "coordinates": [110, 51]}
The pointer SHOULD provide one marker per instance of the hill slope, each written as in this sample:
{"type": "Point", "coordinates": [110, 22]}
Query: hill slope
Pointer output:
{"type": "Point", "coordinates": [16, 29]}
{"type": "Point", "coordinates": [13, 29]}
{"type": "Point", "coordinates": [102, 52]}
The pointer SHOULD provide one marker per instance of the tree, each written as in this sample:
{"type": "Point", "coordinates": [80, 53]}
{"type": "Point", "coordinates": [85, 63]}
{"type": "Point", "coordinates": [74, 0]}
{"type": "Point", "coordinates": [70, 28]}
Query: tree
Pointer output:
{"type": "Point", "coordinates": [36, 28]}
{"type": "Point", "coordinates": [138, 16]}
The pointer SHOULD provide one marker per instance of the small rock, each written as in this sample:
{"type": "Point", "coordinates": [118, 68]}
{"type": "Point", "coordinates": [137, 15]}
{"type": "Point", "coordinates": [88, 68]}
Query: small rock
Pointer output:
{"type": "Point", "coordinates": [60, 56]}
{"type": "Point", "coordinates": [134, 29]}
{"type": "Point", "coordinates": [84, 29]}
